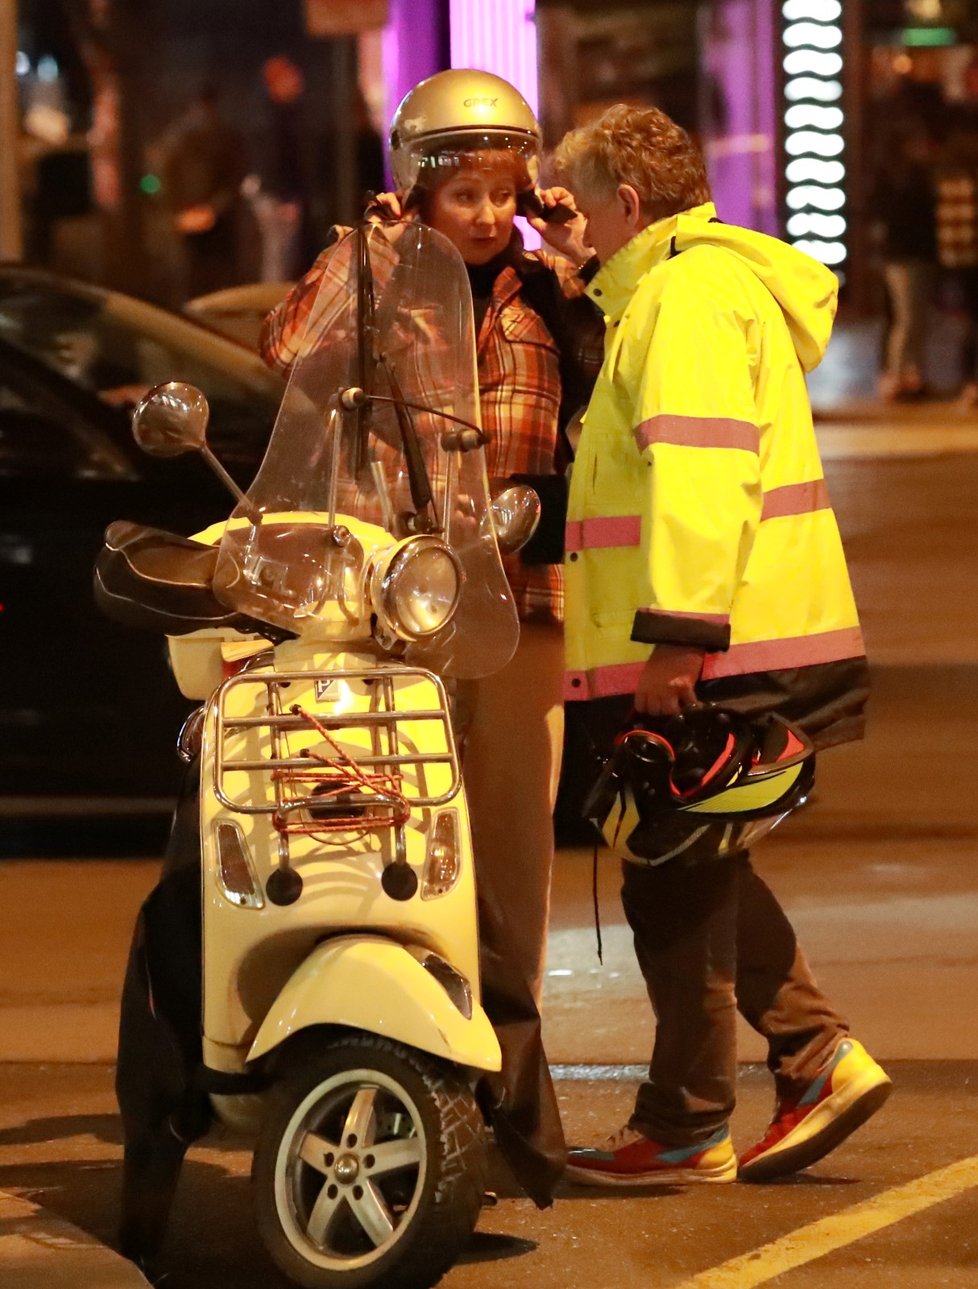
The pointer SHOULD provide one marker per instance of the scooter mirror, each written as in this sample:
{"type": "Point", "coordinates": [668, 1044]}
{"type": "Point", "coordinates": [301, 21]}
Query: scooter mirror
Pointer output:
{"type": "Point", "coordinates": [171, 419]}
{"type": "Point", "coordinates": [515, 516]}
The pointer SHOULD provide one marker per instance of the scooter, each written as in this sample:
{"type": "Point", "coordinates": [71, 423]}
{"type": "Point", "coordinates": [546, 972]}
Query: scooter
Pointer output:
{"type": "Point", "coordinates": [323, 625]}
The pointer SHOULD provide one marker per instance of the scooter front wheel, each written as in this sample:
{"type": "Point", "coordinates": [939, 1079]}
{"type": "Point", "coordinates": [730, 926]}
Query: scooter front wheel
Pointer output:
{"type": "Point", "coordinates": [370, 1168]}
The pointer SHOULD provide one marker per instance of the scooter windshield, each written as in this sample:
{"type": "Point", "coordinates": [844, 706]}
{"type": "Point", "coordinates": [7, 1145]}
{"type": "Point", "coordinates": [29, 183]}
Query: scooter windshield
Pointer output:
{"type": "Point", "coordinates": [376, 465]}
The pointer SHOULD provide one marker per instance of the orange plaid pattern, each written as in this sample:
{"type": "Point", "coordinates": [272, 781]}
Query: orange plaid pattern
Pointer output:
{"type": "Point", "coordinates": [520, 385]}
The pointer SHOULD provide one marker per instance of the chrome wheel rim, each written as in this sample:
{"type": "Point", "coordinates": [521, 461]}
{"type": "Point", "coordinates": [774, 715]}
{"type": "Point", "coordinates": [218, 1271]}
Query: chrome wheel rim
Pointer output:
{"type": "Point", "coordinates": [350, 1170]}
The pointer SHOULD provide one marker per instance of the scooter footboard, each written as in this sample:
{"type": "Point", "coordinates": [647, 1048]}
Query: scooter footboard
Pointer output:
{"type": "Point", "coordinates": [404, 992]}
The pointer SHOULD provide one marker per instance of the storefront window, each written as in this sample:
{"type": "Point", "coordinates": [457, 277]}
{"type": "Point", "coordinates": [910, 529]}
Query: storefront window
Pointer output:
{"type": "Point", "coordinates": [710, 66]}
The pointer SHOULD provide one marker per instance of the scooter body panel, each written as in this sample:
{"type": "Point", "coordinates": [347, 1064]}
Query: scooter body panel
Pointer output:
{"type": "Point", "coordinates": [253, 950]}
{"type": "Point", "coordinates": [200, 660]}
{"type": "Point", "coordinates": [375, 984]}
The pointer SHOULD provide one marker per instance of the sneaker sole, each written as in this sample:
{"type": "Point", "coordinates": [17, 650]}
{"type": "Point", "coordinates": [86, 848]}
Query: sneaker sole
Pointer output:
{"type": "Point", "coordinates": [825, 1128]}
{"type": "Point", "coordinates": [660, 1177]}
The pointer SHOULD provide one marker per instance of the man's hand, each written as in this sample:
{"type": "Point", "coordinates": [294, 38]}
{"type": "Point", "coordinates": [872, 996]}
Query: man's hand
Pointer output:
{"type": "Point", "coordinates": [668, 680]}
{"type": "Point", "coordinates": [567, 238]}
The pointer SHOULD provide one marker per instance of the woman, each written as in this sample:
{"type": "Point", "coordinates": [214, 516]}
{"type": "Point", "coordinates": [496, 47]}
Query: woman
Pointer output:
{"type": "Point", "coordinates": [464, 150]}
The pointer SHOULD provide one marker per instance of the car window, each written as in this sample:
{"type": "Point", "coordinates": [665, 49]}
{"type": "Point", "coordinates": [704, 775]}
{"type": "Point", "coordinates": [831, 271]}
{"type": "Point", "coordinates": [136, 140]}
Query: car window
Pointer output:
{"type": "Point", "coordinates": [36, 441]}
{"type": "Point", "coordinates": [117, 348]}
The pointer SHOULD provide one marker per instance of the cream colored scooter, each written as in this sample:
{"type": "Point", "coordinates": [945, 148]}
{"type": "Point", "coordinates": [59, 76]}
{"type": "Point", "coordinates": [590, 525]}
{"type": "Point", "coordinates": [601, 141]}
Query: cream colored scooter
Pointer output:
{"type": "Point", "coordinates": [357, 578]}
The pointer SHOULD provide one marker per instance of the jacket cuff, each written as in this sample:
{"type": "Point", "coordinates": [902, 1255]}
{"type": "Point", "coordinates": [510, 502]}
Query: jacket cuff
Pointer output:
{"type": "Point", "coordinates": [701, 631]}
{"type": "Point", "coordinates": [589, 269]}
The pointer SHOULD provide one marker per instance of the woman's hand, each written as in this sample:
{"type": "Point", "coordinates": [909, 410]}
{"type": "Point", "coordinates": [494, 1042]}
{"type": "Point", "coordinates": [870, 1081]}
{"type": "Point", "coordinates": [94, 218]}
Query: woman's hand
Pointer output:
{"type": "Point", "coordinates": [567, 237]}
{"type": "Point", "coordinates": [387, 206]}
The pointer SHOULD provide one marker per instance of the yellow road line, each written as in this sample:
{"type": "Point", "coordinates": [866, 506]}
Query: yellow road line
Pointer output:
{"type": "Point", "coordinates": [830, 1233]}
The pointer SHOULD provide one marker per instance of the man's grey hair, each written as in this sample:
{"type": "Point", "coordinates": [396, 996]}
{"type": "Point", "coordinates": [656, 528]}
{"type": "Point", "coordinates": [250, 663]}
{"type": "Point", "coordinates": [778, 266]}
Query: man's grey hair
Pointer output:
{"type": "Point", "coordinates": [638, 146]}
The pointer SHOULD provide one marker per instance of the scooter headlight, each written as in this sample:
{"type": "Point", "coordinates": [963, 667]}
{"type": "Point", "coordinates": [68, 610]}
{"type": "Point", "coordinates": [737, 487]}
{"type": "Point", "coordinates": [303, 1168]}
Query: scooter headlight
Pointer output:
{"type": "Point", "coordinates": [415, 587]}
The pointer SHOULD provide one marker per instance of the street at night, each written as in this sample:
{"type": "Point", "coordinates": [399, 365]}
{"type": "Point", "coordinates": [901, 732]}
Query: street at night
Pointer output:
{"type": "Point", "coordinates": [517, 333]}
{"type": "Point", "coordinates": [878, 876]}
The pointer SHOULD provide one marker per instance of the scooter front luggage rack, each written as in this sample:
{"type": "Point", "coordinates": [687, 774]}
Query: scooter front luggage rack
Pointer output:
{"type": "Point", "coordinates": [392, 755]}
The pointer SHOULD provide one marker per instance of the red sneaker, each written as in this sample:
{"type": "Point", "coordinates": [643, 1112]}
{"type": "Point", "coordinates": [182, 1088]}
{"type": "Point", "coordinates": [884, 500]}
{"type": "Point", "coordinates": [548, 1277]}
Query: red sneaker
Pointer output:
{"type": "Point", "coordinates": [848, 1089]}
{"type": "Point", "coordinates": [630, 1159]}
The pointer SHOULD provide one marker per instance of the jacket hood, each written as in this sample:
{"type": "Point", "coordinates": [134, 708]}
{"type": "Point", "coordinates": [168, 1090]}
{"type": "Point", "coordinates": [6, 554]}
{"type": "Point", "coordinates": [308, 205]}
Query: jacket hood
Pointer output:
{"type": "Point", "coordinates": [806, 290]}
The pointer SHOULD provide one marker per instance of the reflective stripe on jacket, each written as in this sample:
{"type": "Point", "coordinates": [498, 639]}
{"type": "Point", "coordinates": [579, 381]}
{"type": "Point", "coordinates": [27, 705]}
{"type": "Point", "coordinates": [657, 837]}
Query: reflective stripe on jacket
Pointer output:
{"type": "Point", "coordinates": [698, 510]}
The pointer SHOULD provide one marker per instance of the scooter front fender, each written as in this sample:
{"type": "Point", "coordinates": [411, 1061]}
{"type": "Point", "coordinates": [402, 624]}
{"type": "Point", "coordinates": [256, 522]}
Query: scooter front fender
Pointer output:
{"type": "Point", "coordinates": [378, 985]}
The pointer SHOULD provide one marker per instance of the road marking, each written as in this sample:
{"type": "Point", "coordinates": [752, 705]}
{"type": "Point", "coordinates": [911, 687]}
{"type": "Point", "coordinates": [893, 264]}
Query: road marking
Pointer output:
{"type": "Point", "coordinates": [830, 1233]}
{"type": "Point", "coordinates": [840, 441]}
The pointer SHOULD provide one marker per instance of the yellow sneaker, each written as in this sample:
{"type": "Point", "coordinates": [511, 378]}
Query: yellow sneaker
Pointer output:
{"type": "Point", "coordinates": [847, 1090]}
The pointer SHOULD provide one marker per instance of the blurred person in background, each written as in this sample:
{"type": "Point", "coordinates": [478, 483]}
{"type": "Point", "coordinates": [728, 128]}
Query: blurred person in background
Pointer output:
{"type": "Point", "coordinates": [203, 165]}
{"type": "Point", "coordinates": [467, 174]}
{"type": "Point", "coordinates": [281, 199]}
{"type": "Point", "coordinates": [957, 226]}
{"type": "Point", "coordinates": [365, 151]}
{"type": "Point", "coordinates": [903, 205]}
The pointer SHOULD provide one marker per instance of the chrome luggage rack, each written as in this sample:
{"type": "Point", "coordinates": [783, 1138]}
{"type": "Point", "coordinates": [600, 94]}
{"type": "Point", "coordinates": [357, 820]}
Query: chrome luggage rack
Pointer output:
{"type": "Point", "coordinates": [320, 792]}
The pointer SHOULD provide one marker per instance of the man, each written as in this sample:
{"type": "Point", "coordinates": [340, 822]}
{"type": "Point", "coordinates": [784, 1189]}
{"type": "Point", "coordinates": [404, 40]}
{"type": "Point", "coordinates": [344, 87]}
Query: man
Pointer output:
{"type": "Point", "coordinates": [705, 565]}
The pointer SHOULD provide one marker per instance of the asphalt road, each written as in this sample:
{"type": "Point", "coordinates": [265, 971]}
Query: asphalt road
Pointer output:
{"type": "Point", "coordinates": [62, 1148]}
{"type": "Point", "coordinates": [878, 875]}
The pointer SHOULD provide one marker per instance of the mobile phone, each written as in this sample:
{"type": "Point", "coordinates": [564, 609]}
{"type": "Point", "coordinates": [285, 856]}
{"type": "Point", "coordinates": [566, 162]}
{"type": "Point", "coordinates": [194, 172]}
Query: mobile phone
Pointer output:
{"type": "Point", "coordinates": [530, 204]}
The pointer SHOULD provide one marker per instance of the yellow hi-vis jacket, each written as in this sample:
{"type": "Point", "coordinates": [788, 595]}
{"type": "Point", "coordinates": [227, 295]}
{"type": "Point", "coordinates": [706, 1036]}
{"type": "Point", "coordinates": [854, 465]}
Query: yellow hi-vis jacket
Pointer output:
{"type": "Point", "coordinates": [698, 513]}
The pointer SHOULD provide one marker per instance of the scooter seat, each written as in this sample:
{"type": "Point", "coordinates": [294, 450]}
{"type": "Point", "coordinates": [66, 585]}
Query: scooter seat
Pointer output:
{"type": "Point", "coordinates": [147, 577]}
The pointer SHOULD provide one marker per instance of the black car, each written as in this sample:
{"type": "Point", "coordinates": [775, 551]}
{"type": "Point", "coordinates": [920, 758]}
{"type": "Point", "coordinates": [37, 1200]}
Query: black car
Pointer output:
{"type": "Point", "coordinates": [88, 710]}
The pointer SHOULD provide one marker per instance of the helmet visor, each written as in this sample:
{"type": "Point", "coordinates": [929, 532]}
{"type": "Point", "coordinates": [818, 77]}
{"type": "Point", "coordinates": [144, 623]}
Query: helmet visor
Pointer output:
{"type": "Point", "coordinates": [429, 162]}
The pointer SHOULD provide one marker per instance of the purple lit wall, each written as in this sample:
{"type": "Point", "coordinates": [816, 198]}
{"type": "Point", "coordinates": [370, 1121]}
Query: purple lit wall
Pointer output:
{"type": "Point", "coordinates": [740, 55]}
{"type": "Point", "coordinates": [412, 46]}
{"type": "Point", "coordinates": [498, 37]}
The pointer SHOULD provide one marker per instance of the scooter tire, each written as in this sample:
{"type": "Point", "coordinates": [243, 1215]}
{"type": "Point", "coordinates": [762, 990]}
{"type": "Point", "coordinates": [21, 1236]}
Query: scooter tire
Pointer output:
{"type": "Point", "coordinates": [319, 1163]}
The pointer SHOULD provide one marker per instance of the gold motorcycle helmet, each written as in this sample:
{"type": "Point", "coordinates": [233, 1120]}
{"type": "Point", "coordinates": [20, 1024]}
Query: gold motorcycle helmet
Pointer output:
{"type": "Point", "coordinates": [708, 780]}
{"type": "Point", "coordinates": [450, 118]}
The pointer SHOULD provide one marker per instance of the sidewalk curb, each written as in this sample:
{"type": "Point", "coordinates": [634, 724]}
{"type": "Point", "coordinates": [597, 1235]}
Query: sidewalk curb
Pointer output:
{"type": "Point", "coordinates": [871, 411]}
{"type": "Point", "coordinates": [41, 1251]}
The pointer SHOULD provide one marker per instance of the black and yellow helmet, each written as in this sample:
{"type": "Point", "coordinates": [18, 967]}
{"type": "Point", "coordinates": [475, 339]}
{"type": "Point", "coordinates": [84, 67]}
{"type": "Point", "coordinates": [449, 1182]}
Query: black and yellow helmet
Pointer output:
{"type": "Point", "coordinates": [667, 781]}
